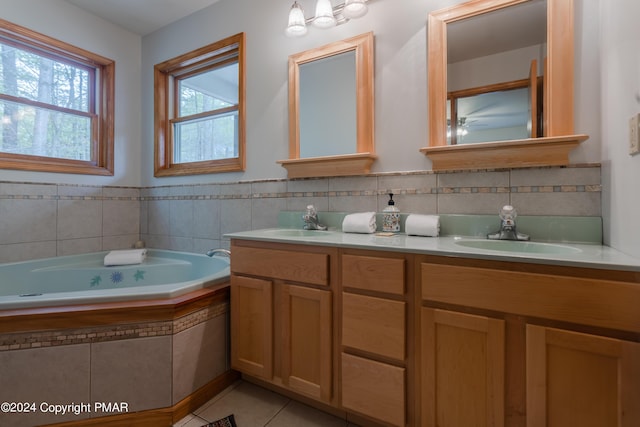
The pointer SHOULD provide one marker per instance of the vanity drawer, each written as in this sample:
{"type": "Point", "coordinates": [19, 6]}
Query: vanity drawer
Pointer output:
{"type": "Point", "coordinates": [374, 273]}
{"type": "Point", "coordinates": [374, 324]}
{"type": "Point", "coordinates": [374, 388]}
{"type": "Point", "coordinates": [580, 300]}
{"type": "Point", "coordinates": [304, 267]}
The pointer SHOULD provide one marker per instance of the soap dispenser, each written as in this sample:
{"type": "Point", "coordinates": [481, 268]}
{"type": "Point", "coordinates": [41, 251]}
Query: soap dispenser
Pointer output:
{"type": "Point", "coordinates": [391, 217]}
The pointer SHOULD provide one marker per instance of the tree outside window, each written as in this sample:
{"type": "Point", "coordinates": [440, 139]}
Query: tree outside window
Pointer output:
{"type": "Point", "coordinates": [56, 105]}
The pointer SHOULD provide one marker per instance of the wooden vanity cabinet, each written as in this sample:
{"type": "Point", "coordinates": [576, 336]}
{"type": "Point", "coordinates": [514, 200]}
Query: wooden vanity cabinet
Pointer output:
{"type": "Point", "coordinates": [394, 339]}
{"type": "Point", "coordinates": [281, 316]}
{"type": "Point", "coordinates": [375, 308]}
{"type": "Point", "coordinates": [569, 338]}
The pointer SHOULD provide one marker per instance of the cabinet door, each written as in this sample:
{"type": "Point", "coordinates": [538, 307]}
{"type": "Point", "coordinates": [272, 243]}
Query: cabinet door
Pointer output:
{"type": "Point", "coordinates": [306, 344]}
{"type": "Point", "coordinates": [462, 369]}
{"type": "Point", "coordinates": [581, 380]}
{"type": "Point", "coordinates": [252, 326]}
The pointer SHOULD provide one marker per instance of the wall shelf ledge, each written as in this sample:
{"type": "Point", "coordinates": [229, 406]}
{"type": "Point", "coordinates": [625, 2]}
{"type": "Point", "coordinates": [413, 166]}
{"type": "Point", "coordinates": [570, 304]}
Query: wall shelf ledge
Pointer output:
{"type": "Point", "coordinates": [546, 151]}
{"type": "Point", "coordinates": [341, 165]}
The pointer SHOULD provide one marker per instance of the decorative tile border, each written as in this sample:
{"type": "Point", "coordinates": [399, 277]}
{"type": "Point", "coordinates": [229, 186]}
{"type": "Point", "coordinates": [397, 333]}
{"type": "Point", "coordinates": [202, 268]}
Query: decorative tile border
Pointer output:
{"type": "Point", "coordinates": [201, 316]}
{"type": "Point", "coordinates": [29, 340]}
{"type": "Point", "coordinates": [58, 197]}
{"type": "Point", "coordinates": [354, 193]}
{"type": "Point", "coordinates": [397, 191]}
{"type": "Point", "coordinates": [303, 194]}
{"type": "Point", "coordinates": [25, 340]}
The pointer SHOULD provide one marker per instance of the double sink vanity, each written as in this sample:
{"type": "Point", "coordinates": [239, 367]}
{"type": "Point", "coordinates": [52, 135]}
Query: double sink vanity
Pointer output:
{"type": "Point", "coordinates": [405, 331]}
{"type": "Point", "coordinates": [398, 330]}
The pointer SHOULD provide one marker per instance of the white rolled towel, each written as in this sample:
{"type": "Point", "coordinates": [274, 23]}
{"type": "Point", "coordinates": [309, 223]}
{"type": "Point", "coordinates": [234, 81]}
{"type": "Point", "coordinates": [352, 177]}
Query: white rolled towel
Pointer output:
{"type": "Point", "coordinates": [362, 222]}
{"type": "Point", "coordinates": [422, 225]}
{"type": "Point", "coordinates": [125, 257]}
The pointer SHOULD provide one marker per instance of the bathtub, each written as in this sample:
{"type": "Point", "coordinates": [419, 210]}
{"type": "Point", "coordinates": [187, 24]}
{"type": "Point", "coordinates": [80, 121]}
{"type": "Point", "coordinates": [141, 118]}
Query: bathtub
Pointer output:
{"type": "Point", "coordinates": [72, 318]}
{"type": "Point", "coordinates": [83, 279]}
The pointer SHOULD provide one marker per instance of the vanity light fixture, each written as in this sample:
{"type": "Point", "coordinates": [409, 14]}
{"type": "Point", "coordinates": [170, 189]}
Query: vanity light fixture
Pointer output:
{"type": "Point", "coordinates": [297, 26]}
{"type": "Point", "coordinates": [354, 8]}
{"type": "Point", "coordinates": [326, 15]}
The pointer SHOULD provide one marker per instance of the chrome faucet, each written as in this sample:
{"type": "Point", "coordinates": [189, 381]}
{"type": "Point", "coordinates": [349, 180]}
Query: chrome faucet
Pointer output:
{"type": "Point", "coordinates": [212, 252]}
{"type": "Point", "coordinates": [311, 219]}
{"type": "Point", "coordinates": [507, 226]}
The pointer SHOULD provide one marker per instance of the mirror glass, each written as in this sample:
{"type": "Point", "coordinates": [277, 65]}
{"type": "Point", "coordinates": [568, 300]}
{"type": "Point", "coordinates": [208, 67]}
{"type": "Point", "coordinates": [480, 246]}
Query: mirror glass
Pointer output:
{"type": "Point", "coordinates": [328, 106]}
{"type": "Point", "coordinates": [492, 94]}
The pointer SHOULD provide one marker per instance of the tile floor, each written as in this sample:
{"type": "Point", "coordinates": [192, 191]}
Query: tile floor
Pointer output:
{"type": "Point", "coordinates": [254, 406]}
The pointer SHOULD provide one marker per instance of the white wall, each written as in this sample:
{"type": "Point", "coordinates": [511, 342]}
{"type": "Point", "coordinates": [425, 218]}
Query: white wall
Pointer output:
{"type": "Point", "coordinates": [61, 20]}
{"type": "Point", "coordinates": [620, 67]}
{"type": "Point", "coordinates": [400, 79]}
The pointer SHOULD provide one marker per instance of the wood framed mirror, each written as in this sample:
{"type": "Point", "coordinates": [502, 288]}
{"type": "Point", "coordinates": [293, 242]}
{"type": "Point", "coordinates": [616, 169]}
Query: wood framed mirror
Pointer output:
{"type": "Point", "coordinates": [552, 147]}
{"type": "Point", "coordinates": [331, 110]}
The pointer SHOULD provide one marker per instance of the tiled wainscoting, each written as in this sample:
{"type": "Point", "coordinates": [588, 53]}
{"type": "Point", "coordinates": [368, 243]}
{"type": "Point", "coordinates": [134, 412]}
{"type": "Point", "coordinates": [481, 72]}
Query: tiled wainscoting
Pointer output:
{"type": "Point", "coordinates": [48, 220]}
{"type": "Point", "coordinates": [147, 365]}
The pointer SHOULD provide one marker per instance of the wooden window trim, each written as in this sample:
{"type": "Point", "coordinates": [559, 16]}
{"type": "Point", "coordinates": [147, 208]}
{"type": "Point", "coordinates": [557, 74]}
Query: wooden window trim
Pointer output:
{"type": "Point", "coordinates": [164, 111]}
{"type": "Point", "coordinates": [102, 162]}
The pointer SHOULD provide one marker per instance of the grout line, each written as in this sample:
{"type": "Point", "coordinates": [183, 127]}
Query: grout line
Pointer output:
{"type": "Point", "coordinates": [198, 416]}
{"type": "Point", "coordinates": [278, 413]}
{"type": "Point", "coordinates": [217, 398]}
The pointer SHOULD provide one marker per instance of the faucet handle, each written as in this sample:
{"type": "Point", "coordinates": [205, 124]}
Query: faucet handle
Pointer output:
{"type": "Point", "coordinates": [311, 215]}
{"type": "Point", "coordinates": [508, 212]}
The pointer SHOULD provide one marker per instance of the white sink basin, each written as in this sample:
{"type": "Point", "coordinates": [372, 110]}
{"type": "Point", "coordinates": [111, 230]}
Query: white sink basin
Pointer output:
{"type": "Point", "coordinates": [518, 246]}
{"type": "Point", "coordinates": [294, 232]}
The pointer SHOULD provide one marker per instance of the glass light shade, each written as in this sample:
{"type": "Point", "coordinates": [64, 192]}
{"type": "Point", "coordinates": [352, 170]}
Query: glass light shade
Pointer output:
{"type": "Point", "coordinates": [354, 8]}
{"type": "Point", "coordinates": [324, 14]}
{"type": "Point", "coordinates": [297, 25]}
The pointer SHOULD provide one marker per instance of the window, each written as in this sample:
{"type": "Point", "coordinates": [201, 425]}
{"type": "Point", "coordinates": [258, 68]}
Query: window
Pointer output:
{"type": "Point", "coordinates": [199, 110]}
{"type": "Point", "coordinates": [56, 105]}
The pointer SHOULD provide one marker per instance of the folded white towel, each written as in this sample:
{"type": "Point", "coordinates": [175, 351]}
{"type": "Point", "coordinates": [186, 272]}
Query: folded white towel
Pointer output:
{"type": "Point", "coordinates": [363, 222]}
{"type": "Point", "coordinates": [125, 257]}
{"type": "Point", "coordinates": [422, 225]}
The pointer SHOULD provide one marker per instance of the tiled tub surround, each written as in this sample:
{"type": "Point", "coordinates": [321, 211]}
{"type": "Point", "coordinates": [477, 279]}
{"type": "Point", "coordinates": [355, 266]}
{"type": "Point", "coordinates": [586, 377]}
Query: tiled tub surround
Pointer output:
{"type": "Point", "coordinates": [151, 357]}
{"type": "Point", "coordinates": [48, 220]}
